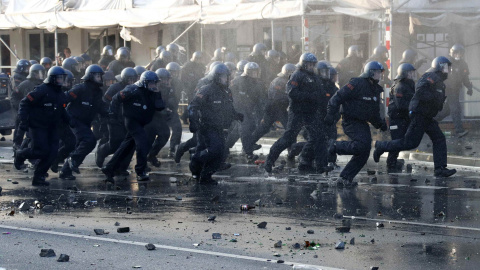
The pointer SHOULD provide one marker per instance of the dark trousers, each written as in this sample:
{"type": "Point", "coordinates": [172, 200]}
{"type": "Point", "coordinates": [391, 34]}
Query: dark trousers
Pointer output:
{"type": "Point", "coordinates": [209, 153]}
{"type": "Point", "coordinates": [453, 108]}
{"type": "Point", "coordinates": [158, 133]}
{"type": "Point", "coordinates": [116, 134]}
{"type": "Point", "coordinates": [185, 146]}
{"type": "Point", "coordinates": [67, 142]}
{"type": "Point", "coordinates": [233, 134]}
{"type": "Point", "coordinates": [135, 140]}
{"type": "Point", "coordinates": [398, 128]}
{"type": "Point", "coordinates": [247, 126]}
{"type": "Point", "coordinates": [359, 146]}
{"type": "Point", "coordinates": [295, 123]}
{"type": "Point", "coordinates": [85, 142]}
{"type": "Point", "coordinates": [176, 128]}
{"type": "Point", "coordinates": [18, 134]}
{"type": "Point", "coordinates": [418, 126]}
{"type": "Point", "coordinates": [269, 118]}
{"type": "Point", "coordinates": [44, 147]}
{"type": "Point", "coordinates": [331, 134]}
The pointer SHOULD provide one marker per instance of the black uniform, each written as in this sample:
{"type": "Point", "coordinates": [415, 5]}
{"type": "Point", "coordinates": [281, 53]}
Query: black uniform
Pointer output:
{"type": "Point", "coordinates": [212, 111]}
{"type": "Point", "coordinates": [275, 110]}
{"type": "Point", "coordinates": [190, 74]}
{"type": "Point", "coordinates": [139, 106]}
{"type": "Point", "coordinates": [305, 95]}
{"type": "Point", "coordinates": [427, 101]}
{"type": "Point", "coordinates": [386, 72]}
{"type": "Point", "coordinates": [15, 81]}
{"type": "Point", "coordinates": [116, 126]}
{"type": "Point", "coordinates": [454, 85]}
{"type": "Point", "coordinates": [158, 63]}
{"type": "Point", "coordinates": [23, 89]}
{"type": "Point", "coordinates": [116, 67]}
{"type": "Point", "coordinates": [84, 103]}
{"type": "Point", "coordinates": [272, 69]}
{"type": "Point", "coordinates": [262, 63]}
{"type": "Point", "coordinates": [41, 111]}
{"type": "Point", "coordinates": [348, 68]}
{"type": "Point", "coordinates": [360, 99]}
{"type": "Point", "coordinates": [105, 61]}
{"type": "Point", "coordinates": [248, 94]}
{"type": "Point", "coordinates": [400, 96]}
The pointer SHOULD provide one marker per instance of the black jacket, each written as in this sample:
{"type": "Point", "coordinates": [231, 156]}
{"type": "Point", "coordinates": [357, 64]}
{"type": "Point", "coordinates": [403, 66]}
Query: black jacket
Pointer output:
{"type": "Point", "coordinates": [360, 99]}
{"type": "Point", "coordinates": [277, 95]}
{"type": "Point", "coordinates": [44, 107]}
{"type": "Point", "coordinates": [137, 103]}
{"type": "Point", "coordinates": [429, 95]}
{"type": "Point", "coordinates": [105, 61]}
{"type": "Point", "coordinates": [304, 92]}
{"type": "Point", "coordinates": [400, 96]}
{"type": "Point", "coordinates": [190, 74]}
{"type": "Point", "coordinates": [22, 90]}
{"type": "Point", "coordinates": [247, 92]}
{"type": "Point", "coordinates": [85, 102]}
{"type": "Point", "coordinates": [116, 67]}
{"type": "Point", "coordinates": [348, 68]}
{"type": "Point", "coordinates": [458, 78]}
{"type": "Point", "coordinates": [212, 107]}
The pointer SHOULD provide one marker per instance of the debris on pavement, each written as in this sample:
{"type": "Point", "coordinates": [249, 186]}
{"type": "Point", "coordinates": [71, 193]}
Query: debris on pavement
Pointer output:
{"type": "Point", "coordinates": [296, 246]}
{"type": "Point", "coordinates": [24, 207]}
{"type": "Point", "coordinates": [216, 236]}
{"type": "Point", "coordinates": [48, 208]}
{"type": "Point", "coordinates": [342, 229]}
{"type": "Point", "coordinates": [288, 228]}
{"type": "Point", "coordinates": [374, 268]}
{"type": "Point", "coordinates": [380, 225]}
{"type": "Point", "coordinates": [258, 202]}
{"type": "Point", "coordinates": [371, 172]}
{"type": "Point", "coordinates": [373, 180]}
{"type": "Point", "coordinates": [15, 182]}
{"type": "Point", "coordinates": [178, 198]}
{"type": "Point", "coordinates": [310, 231]}
{"type": "Point", "coordinates": [340, 245]}
{"type": "Point", "coordinates": [278, 244]}
{"type": "Point", "coordinates": [212, 218]}
{"type": "Point", "coordinates": [123, 230]}
{"type": "Point", "coordinates": [117, 223]}
{"type": "Point", "coordinates": [352, 241]}
{"type": "Point", "coordinates": [150, 246]}
{"type": "Point", "coordinates": [409, 168]}
{"type": "Point", "coordinates": [280, 261]}
{"type": "Point", "coordinates": [99, 231]}
{"type": "Point", "coordinates": [246, 207]}
{"type": "Point", "coordinates": [262, 225]}
{"type": "Point", "coordinates": [47, 253]}
{"type": "Point", "coordinates": [1, 191]}
{"type": "Point", "coordinates": [63, 258]}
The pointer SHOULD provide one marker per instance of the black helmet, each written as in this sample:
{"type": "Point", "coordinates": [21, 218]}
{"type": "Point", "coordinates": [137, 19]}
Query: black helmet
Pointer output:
{"type": "Point", "coordinates": [158, 50]}
{"type": "Point", "coordinates": [287, 70]}
{"type": "Point", "coordinates": [197, 57]}
{"type": "Point", "coordinates": [146, 79]}
{"type": "Point", "coordinates": [219, 54]}
{"type": "Point", "coordinates": [166, 56]}
{"type": "Point", "coordinates": [333, 74]}
{"type": "Point", "coordinates": [370, 68]}
{"type": "Point", "coordinates": [273, 55]}
{"type": "Point", "coordinates": [173, 49]}
{"type": "Point", "coordinates": [72, 65]}
{"type": "Point", "coordinates": [33, 62]}
{"type": "Point", "coordinates": [91, 72]}
{"type": "Point", "coordinates": [305, 59]}
{"type": "Point", "coordinates": [251, 69]}
{"type": "Point", "coordinates": [441, 64]}
{"type": "Point", "coordinates": [174, 69]}
{"type": "Point", "coordinates": [231, 66]}
{"type": "Point", "coordinates": [46, 62]}
{"type": "Point", "coordinates": [123, 54]}
{"type": "Point", "coordinates": [241, 64]}
{"type": "Point", "coordinates": [56, 76]}
{"type": "Point", "coordinates": [409, 56]}
{"type": "Point", "coordinates": [109, 78]}
{"type": "Point", "coordinates": [86, 57]}
{"type": "Point", "coordinates": [128, 75]}
{"type": "Point", "coordinates": [22, 66]}
{"type": "Point", "coordinates": [322, 69]}
{"type": "Point", "coordinates": [353, 50]}
{"type": "Point", "coordinates": [212, 65]}
{"type": "Point", "coordinates": [221, 75]}
{"type": "Point", "coordinates": [81, 62]}
{"type": "Point", "coordinates": [381, 52]}
{"type": "Point", "coordinates": [259, 49]}
{"type": "Point", "coordinates": [457, 49]}
{"type": "Point", "coordinates": [107, 50]}
{"type": "Point", "coordinates": [164, 77]}
{"type": "Point", "coordinates": [403, 69]}
{"type": "Point", "coordinates": [37, 72]}
{"type": "Point", "coordinates": [230, 57]}
{"type": "Point", "coordinates": [139, 70]}
{"type": "Point", "coordinates": [69, 79]}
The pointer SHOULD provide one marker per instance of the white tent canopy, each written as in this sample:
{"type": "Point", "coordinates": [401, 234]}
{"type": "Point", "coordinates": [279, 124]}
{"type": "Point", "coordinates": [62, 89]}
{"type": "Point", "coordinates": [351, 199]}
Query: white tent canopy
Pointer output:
{"type": "Point", "coordinates": [138, 13]}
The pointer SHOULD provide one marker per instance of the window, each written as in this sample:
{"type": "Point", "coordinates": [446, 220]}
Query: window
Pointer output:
{"type": "Point", "coordinates": [5, 54]}
{"type": "Point", "coordinates": [49, 44]}
{"type": "Point", "coordinates": [277, 34]}
{"type": "Point", "coordinates": [35, 47]}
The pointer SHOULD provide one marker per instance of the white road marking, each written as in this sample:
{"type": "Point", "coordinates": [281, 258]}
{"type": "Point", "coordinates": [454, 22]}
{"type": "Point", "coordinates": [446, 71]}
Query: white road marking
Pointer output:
{"type": "Point", "coordinates": [213, 253]}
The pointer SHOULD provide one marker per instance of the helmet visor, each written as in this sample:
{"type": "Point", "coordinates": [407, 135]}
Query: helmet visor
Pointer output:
{"type": "Point", "coordinates": [377, 75]}
{"type": "Point", "coordinates": [152, 86]}
{"type": "Point", "coordinates": [110, 52]}
{"type": "Point", "coordinates": [98, 78]}
{"type": "Point", "coordinates": [164, 82]}
{"type": "Point", "coordinates": [60, 79]}
{"type": "Point", "coordinates": [131, 80]}
{"type": "Point", "coordinates": [446, 68]}
{"type": "Point", "coordinates": [412, 75]}
{"type": "Point", "coordinates": [224, 79]}
{"type": "Point", "coordinates": [324, 73]}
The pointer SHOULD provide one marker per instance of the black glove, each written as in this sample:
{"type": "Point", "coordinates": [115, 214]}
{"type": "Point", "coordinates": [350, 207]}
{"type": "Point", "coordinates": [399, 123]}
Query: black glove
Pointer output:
{"type": "Point", "coordinates": [239, 117]}
{"type": "Point", "coordinates": [23, 126]}
{"type": "Point", "coordinates": [329, 119]}
{"type": "Point", "coordinates": [193, 126]}
{"type": "Point", "coordinates": [383, 126]}
{"type": "Point", "coordinates": [470, 92]}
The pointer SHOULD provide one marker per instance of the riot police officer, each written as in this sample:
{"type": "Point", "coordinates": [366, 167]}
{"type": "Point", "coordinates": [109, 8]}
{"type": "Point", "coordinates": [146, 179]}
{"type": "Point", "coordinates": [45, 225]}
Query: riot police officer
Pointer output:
{"type": "Point", "coordinates": [427, 101]}
{"type": "Point", "coordinates": [401, 94]}
{"type": "Point", "coordinates": [175, 51]}
{"type": "Point", "coordinates": [139, 70]}
{"type": "Point", "coordinates": [360, 99]}
{"type": "Point", "coordinates": [122, 58]}
{"type": "Point", "coordinates": [107, 57]}
{"type": "Point", "coordinates": [116, 127]}
{"type": "Point", "coordinates": [176, 85]}
{"type": "Point", "coordinates": [190, 74]}
{"type": "Point", "coordinates": [40, 112]}
{"type": "Point", "coordinates": [158, 130]}
{"type": "Point", "coordinates": [349, 67]}
{"type": "Point", "coordinates": [240, 66]}
{"type": "Point", "coordinates": [84, 103]}
{"type": "Point", "coordinates": [410, 56]}
{"type": "Point", "coordinates": [277, 104]}
{"type": "Point", "coordinates": [81, 65]}
{"type": "Point", "coordinates": [258, 56]}
{"type": "Point", "coordinates": [35, 77]}
{"type": "Point", "coordinates": [273, 65]}
{"type": "Point", "coordinates": [46, 62]}
{"type": "Point", "coordinates": [162, 61]}
{"type": "Point", "coordinates": [454, 84]}
{"type": "Point", "coordinates": [73, 66]}
{"type": "Point", "coordinates": [211, 112]}
{"type": "Point", "coordinates": [20, 74]}
{"type": "Point", "coordinates": [304, 94]}
{"type": "Point", "coordinates": [380, 54]}
{"type": "Point", "coordinates": [138, 102]}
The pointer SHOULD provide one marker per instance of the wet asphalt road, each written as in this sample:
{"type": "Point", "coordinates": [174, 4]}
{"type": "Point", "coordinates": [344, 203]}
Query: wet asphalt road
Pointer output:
{"type": "Point", "coordinates": [428, 223]}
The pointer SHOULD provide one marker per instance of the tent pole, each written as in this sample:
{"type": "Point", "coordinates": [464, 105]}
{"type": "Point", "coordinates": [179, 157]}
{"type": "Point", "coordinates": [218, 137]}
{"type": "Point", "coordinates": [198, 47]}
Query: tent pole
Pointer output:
{"type": "Point", "coordinates": [271, 26]}
{"type": "Point", "coordinates": [56, 43]}
{"type": "Point", "coordinates": [8, 47]}
{"type": "Point", "coordinates": [201, 38]}
{"type": "Point", "coordinates": [186, 30]}
{"type": "Point", "coordinates": [302, 9]}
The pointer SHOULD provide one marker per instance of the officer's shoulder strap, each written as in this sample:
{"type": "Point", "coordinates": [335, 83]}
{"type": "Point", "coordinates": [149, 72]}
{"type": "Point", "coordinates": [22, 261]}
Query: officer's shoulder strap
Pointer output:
{"type": "Point", "coordinates": [353, 83]}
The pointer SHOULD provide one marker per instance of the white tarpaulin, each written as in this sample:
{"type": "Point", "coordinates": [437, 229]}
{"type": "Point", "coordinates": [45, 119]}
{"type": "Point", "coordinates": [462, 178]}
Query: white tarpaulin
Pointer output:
{"type": "Point", "coordinates": [415, 6]}
{"type": "Point", "coordinates": [113, 12]}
